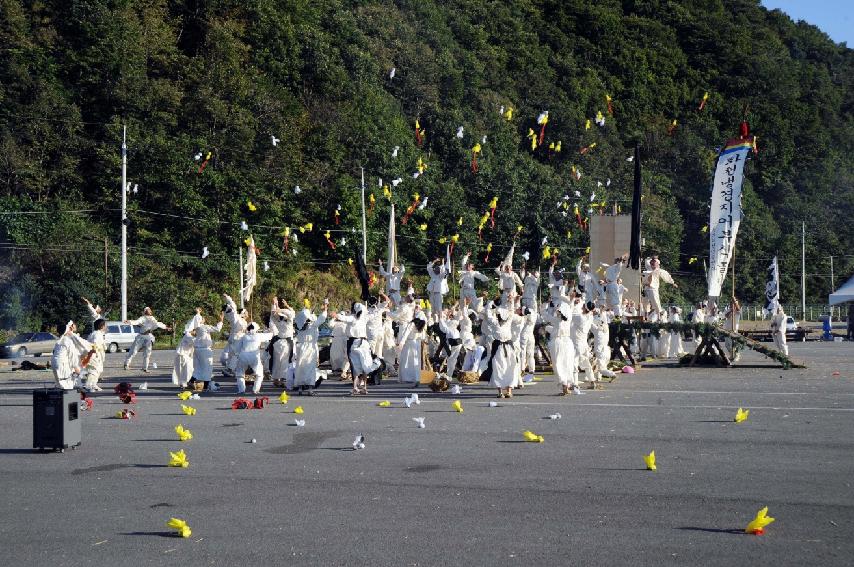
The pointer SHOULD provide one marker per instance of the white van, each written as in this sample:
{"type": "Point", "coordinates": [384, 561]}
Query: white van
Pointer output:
{"type": "Point", "coordinates": [120, 336]}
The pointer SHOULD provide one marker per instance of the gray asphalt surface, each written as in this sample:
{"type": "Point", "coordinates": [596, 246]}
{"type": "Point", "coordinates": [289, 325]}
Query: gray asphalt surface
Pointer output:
{"type": "Point", "coordinates": [466, 490]}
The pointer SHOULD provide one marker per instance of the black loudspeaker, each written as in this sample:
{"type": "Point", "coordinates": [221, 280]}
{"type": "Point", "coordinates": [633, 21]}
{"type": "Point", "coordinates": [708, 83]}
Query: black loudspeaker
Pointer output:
{"type": "Point", "coordinates": [56, 419]}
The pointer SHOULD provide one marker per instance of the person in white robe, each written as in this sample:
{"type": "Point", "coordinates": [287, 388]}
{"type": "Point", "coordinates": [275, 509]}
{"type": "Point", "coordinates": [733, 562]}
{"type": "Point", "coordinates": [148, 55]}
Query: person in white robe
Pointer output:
{"type": "Point", "coordinates": [614, 296]}
{"type": "Point", "coordinates": [508, 281]}
{"type": "Point", "coordinates": [732, 320]}
{"type": "Point", "coordinates": [144, 341]}
{"type": "Point", "coordinates": [237, 322]}
{"type": "Point", "coordinates": [557, 284]}
{"type": "Point", "coordinates": [97, 355]}
{"type": "Point", "coordinates": [527, 340]}
{"type": "Point", "coordinates": [449, 325]}
{"type": "Point", "coordinates": [249, 357]}
{"type": "Point", "coordinates": [338, 360]}
{"type": "Point", "coordinates": [502, 360]}
{"type": "Point", "coordinates": [664, 337]}
{"type": "Point", "coordinates": [586, 282]}
{"type": "Point", "coordinates": [65, 360]}
{"type": "Point", "coordinates": [582, 321]}
{"type": "Point", "coordinates": [601, 338]}
{"type": "Point", "coordinates": [307, 325]}
{"type": "Point", "coordinates": [676, 336]}
{"type": "Point", "coordinates": [362, 360]}
{"type": "Point", "coordinates": [652, 282]}
{"type": "Point", "coordinates": [393, 279]}
{"type": "Point", "coordinates": [562, 347]}
{"type": "Point", "coordinates": [530, 287]}
{"type": "Point", "coordinates": [389, 344]}
{"type": "Point", "coordinates": [409, 343]}
{"type": "Point", "coordinates": [375, 331]}
{"type": "Point", "coordinates": [437, 287]}
{"type": "Point", "coordinates": [778, 330]}
{"type": "Point", "coordinates": [203, 351]}
{"type": "Point", "coordinates": [182, 367]}
{"type": "Point", "coordinates": [468, 277]}
{"type": "Point", "coordinates": [281, 347]}
{"type": "Point", "coordinates": [95, 311]}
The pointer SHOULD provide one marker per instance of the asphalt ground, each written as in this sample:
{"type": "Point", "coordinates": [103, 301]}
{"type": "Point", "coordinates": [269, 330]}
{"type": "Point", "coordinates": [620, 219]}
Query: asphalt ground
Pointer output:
{"type": "Point", "coordinates": [465, 490]}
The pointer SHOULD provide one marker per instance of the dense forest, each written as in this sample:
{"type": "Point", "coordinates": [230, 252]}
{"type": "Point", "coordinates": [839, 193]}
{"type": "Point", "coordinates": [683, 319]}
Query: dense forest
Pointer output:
{"type": "Point", "coordinates": [263, 112]}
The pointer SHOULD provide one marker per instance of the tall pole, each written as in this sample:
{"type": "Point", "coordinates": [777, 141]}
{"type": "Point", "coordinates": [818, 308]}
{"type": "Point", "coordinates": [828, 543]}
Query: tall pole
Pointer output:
{"type": "Point", "coordinates": [105, 269]}
{"type": "Point", "coordinates": [832, 283]}
{"type": "Point", "coordinates": [124, 224]}
{"type": "Point", "coordinates": [240, 248]}
{"type": "Point", "coordinates": [364, 224]}
{"type": "Point", "coordinates": [804, 270]}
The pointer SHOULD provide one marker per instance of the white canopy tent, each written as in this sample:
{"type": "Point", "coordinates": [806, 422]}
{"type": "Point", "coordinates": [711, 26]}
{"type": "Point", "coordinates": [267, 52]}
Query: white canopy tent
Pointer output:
{"type": "Point", "coordinates": [843, 294]}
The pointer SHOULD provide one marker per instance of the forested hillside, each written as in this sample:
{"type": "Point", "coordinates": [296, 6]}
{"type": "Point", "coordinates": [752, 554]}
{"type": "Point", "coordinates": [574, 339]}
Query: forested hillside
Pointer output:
{"type": "Point", "coordinates": [204, 87]}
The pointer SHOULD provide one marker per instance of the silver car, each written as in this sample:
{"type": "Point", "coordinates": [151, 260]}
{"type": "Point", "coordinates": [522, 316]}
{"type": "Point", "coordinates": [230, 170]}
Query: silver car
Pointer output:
{"type": "Point", "coordinates": [29, 343]}
{"type": "Point", "coordinates": [120, 335]}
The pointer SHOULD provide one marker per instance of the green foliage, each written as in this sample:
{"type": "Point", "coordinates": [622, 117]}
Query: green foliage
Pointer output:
{"type": "Point", "coordinates": [224, 76]}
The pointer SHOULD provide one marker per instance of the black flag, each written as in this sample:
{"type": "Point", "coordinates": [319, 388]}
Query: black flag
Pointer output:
{"type": "Point", "coordinates": [362, 273]}
{"type": "Point", "coordinates": [635, 246]}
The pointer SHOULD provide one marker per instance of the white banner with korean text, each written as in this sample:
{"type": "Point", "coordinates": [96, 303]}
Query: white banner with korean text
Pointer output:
{"type": "Point", "coordinates": [725, 215]}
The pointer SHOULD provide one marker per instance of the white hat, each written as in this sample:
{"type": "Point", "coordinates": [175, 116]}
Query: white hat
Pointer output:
{"type": "Point", "coordinates": [358, 308]}
{"type": "Point", "coordinates": [565, 309]}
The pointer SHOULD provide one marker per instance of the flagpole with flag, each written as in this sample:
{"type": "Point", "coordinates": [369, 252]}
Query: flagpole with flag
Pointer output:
{"type": "Point", "coordinates": [635, 244]}
{"type": "Point", "coordinates": [391, 253]}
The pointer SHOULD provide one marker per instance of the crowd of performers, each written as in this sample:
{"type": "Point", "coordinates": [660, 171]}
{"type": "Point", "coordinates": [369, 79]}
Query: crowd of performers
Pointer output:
{"type": "Point", "coordinates": [398, 334]}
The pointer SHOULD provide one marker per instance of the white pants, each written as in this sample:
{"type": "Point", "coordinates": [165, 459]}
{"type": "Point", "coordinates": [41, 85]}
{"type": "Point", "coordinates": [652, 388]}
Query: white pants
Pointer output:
{"type": "Point", "coordinates": [94, 369]}
{"type": "Point", "coordinates": [249, 360]}
{"type": "Point", "coordinates": [142, 342]}
{"type": "Point", "coordinates": [528, 361]}
{"type": "Point", "coordinates": [452, 359]}
{"type": "Point", "coordinates": [654, 301]}
{"type": "Point", "coordinates": [780, 343]}
{"type": "Point", "coordinates": [435, 304]}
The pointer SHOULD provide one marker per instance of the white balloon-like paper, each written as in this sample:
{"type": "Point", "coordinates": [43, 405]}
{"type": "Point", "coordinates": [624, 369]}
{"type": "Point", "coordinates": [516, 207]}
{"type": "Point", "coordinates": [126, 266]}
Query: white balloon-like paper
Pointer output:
{"type": "Point", "coordinates": [299, 422]}
{"type": "Point", "coordinates": [419, 421]}
{"type": "Point", "coordinates": [205, 252]}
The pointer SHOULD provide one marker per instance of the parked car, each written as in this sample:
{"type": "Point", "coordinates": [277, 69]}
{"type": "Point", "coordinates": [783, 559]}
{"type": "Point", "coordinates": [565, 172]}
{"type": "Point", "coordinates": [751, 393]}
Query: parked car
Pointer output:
{"type": "Point", "coordinates": [120, 336]}
{"type": "Point", "coordinates": [791, 324]}
{"type": "Point", "coordinates": [29, 343]}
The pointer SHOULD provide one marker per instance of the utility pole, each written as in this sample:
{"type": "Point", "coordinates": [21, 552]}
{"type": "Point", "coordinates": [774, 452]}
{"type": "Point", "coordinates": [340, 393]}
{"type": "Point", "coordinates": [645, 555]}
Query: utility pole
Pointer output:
{"type": "Point", "coordinates": [804, 270]}
{"type": "Point", "coordinates": [240, 248]}
{"type": "Point", "coordinates": [832, 283]}
{"type": "Point", "coordinates": [124, 225]}
{"type": "Point", "coordinates": [364, 224]}
{"type": "Point", "coordinates": [105, 269]}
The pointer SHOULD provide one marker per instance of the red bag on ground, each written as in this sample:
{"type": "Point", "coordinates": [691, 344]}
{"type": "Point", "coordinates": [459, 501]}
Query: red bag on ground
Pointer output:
{"type": "Point", "coordinates": [259, 403]}
{"type": "Point", "coordinates": [241, 403]}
